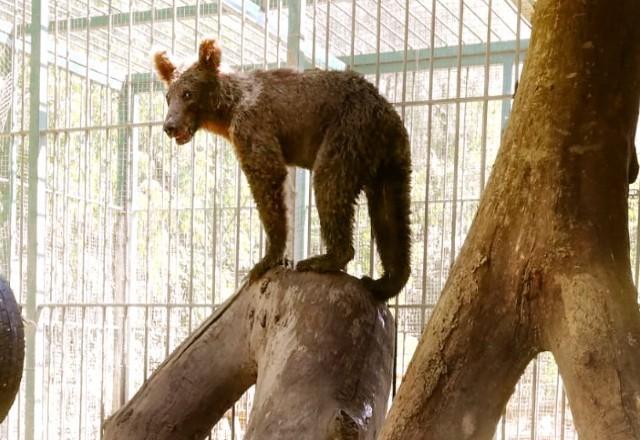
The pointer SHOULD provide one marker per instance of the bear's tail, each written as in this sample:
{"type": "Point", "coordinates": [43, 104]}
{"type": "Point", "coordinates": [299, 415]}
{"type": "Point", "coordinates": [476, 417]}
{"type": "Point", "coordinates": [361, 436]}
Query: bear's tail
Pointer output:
{"type": "Point", "coordinates": [388, 197]}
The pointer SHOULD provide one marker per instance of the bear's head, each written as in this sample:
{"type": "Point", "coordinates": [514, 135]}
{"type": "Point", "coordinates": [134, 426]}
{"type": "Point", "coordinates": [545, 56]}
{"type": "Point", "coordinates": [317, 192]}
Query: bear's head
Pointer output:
{"type": "Point", "coordinates": [190, 93]}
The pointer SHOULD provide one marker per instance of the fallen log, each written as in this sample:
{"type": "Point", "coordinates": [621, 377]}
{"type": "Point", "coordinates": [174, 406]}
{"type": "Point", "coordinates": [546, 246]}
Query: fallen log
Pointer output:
{"type": "Point", "coordinates": [318, 347]}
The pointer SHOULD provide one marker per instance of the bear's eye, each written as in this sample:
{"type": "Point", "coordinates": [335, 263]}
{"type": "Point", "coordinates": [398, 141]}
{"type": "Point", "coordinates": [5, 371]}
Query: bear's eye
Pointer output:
{"type": "Point", "coordinates": [167, 98]}
{"type": "Point", "coordinates": [186, 95]}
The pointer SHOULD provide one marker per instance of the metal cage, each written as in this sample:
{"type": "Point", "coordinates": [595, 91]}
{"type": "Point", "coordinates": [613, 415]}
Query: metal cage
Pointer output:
{"type": "Point", "coordinates": [118, 244]}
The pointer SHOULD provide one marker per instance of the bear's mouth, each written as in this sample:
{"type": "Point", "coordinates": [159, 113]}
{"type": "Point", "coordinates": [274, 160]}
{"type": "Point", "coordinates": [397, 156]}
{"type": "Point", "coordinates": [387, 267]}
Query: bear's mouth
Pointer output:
{"type": "Point", "coordinates": [183, 136]}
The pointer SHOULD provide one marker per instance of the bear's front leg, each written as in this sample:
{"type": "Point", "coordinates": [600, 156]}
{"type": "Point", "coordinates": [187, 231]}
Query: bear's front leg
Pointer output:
{"type": "Point", "coordinates": [266, 172]}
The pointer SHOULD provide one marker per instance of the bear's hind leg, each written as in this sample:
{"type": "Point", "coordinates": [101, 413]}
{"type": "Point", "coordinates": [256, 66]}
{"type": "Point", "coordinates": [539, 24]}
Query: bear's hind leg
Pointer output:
{"type": "Point", "coordinates": [336, 187]}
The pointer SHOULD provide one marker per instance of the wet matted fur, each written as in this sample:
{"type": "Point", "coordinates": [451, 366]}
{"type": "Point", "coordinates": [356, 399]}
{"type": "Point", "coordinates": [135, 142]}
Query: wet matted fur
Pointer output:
{"type": "Point", "coordinates": [334, 123]}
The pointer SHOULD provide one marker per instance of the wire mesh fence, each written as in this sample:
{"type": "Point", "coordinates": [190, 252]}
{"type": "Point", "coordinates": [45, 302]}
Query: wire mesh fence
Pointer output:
{"type": "Point", "coordinates": [131, 242]}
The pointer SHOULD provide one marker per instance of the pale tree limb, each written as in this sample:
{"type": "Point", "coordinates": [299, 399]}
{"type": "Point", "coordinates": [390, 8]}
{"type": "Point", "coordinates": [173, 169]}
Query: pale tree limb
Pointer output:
{"type": "Point", "coordinates": [319, 346]}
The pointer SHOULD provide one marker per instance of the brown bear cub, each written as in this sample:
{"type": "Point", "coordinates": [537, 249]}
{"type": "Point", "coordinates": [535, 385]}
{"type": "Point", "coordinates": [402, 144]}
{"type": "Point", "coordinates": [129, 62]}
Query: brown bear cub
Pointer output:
{"type": "Point", "coordinates": [334, 123]}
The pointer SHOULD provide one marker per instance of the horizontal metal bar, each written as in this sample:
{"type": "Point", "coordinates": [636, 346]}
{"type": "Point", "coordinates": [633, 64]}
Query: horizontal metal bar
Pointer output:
{"type": "Point", "coordinates": [437, 101]}
{"type": "Point", "coordinates": [88, 201]}
{"type": "Point", "coordinates": [440, 101]}
{"type": "Point", "coordinates": [123, 19]}
{"type": "Point", "coordinates": [121, 305]}
{"type": "Point", "coordinates": [420, 59]}
{"type": "Point", "coordinates": [41, 307]}
{"type": "Point", "coordinates": [89, 128]}
{"type": "Point", "coordinates": [76, 65]}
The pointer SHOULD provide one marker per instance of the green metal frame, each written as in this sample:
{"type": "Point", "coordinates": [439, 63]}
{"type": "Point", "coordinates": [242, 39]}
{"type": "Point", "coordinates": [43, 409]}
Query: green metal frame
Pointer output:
{"type": "Point", "coordinates": [443, 57]}
{"type": "Point", "coordinates": [36, 198]}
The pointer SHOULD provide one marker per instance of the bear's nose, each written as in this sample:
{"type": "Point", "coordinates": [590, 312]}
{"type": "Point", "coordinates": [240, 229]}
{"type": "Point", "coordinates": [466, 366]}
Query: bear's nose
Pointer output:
{"type": "Point", "coordinates": [170, 128]}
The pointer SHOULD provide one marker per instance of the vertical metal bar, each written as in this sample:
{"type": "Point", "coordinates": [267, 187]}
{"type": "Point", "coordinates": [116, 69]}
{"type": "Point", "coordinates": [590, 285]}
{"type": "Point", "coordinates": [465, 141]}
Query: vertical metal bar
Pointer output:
{"type": "Point", "coordinates": [313, 35]}
{"type": "Point", "coordinates": [463, 150]}
{"type": "Point", "coordinates": [147, 310]}
{"type": "Point", "coordinates": [456, 141]}
{"type": "Point", "coordinates": [278, 39]}
{"type": "Point", "coordinates": [372, 253]}
{"type": "Point", "coordinates": [301, 177]}
{"type": "Point", "coordinates": [21, 158]}
{"type": "Point", "coordinates": [107, 174]}
{"type": "Point", "coordinates": [37, 203]}
{"type": "Point", "coordinates": [214, 221]}
{"type": "Point", "coordinates": [353, 35]}
{"type": "Point", "coordinates": [133, 197]}
{"type": "Point", "coordinates": [172, 173]}
{"type": "Point", "coordinates": [294, 33]}
{"type": "Point", "coordinates": [444, 183]}
{"type": "Point", "coordinates": [196, 26]}
{"type": "Point", "coordinates": [13, 164]}
{"type": "Point", "coordinates": [404, 59]}
{"type": "Point", "coordinates": [102, 352]}
{"type": "Point", "coordinates": [309, 189]}
{"type": "Point", "coordinates": [56, 140]}
{"type": "Point", "coordinates": [86, 174]}
{"type": "Point", "coordinates": [265, 35]}
{"type": "Point", "coordinates": [45, 421]}
{"type": "Point", "coordinates": [327, 35]}
{"type": "Point", "coordinates": [637, 256]}
{"type": "Point", "coordinates": [17, 168]}
{"type": "Point", "coordinates": [65, 197]}
{"type": "Point", "coordinates": [485, 102]}
{"type": "Point", "coordinates": [563, 413]}
{"type": "Point", "coordinates": [518, 400]}
{"type": "Point", "coordinates": [219, 23]}
{"type": "Point", "coordinates": [124, 189]}
{"type": "Point", "coordinates": [191, 234]}
{"type": "Point", "coordinates": [237, 275]}
{"type": "Point", "coordinates": [517, 56]}
{"type": "Point", "coordinates": [394, 378]}
{"type": "Point", "coordinates": [507, 81]}
{"type": "Point", "coordinates": [214, 226]}
{"type": "Point", "coordinates": [242, 24]}
{"type": "Point", "coordinates": [534, 399]}
{"type": "Point", "coordinates": [556, 402]}
{"type": "Point", "coordinates": [238, 199]}
{"type": "Point", "coordinates": [425, 244]}
{"type": "Point", "coordinates": [193, 193]}
{"type": "Point", "coordinates": [63, 323]}
{"type": "Point", "coordinates": [378, 40]}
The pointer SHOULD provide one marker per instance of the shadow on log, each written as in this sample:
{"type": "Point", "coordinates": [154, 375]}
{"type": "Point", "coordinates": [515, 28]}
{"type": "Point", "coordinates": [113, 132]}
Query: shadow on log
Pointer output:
{"type": "Point", "coordinates": [319, 346]}
{"type": "Point", "coordinates": [11, 348]}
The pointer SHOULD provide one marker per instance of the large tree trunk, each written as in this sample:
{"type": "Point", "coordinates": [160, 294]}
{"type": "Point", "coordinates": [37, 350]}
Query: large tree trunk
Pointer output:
{"type": "Point", "coordinates": [546, 263]}
{"type": "Point", "coordinates": [320, 348]}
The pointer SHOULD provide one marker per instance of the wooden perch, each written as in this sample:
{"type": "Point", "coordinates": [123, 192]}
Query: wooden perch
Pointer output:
{"type": "Point", "coordinates": [320, 348]}
{"type": "Point", "coordinates": [545, 266]}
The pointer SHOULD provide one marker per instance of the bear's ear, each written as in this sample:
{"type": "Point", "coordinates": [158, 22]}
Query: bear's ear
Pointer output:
{"type": "Point", "coordinates": [210, 54]}
{"type": "Point", "coordinates": [165, 68]}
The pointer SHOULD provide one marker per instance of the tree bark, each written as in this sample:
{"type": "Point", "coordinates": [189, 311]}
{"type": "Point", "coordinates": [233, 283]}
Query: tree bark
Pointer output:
{"type": "Point", "coordinates": [546, 264]}
{"type": "Point", "coordinates": [320, 348]}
